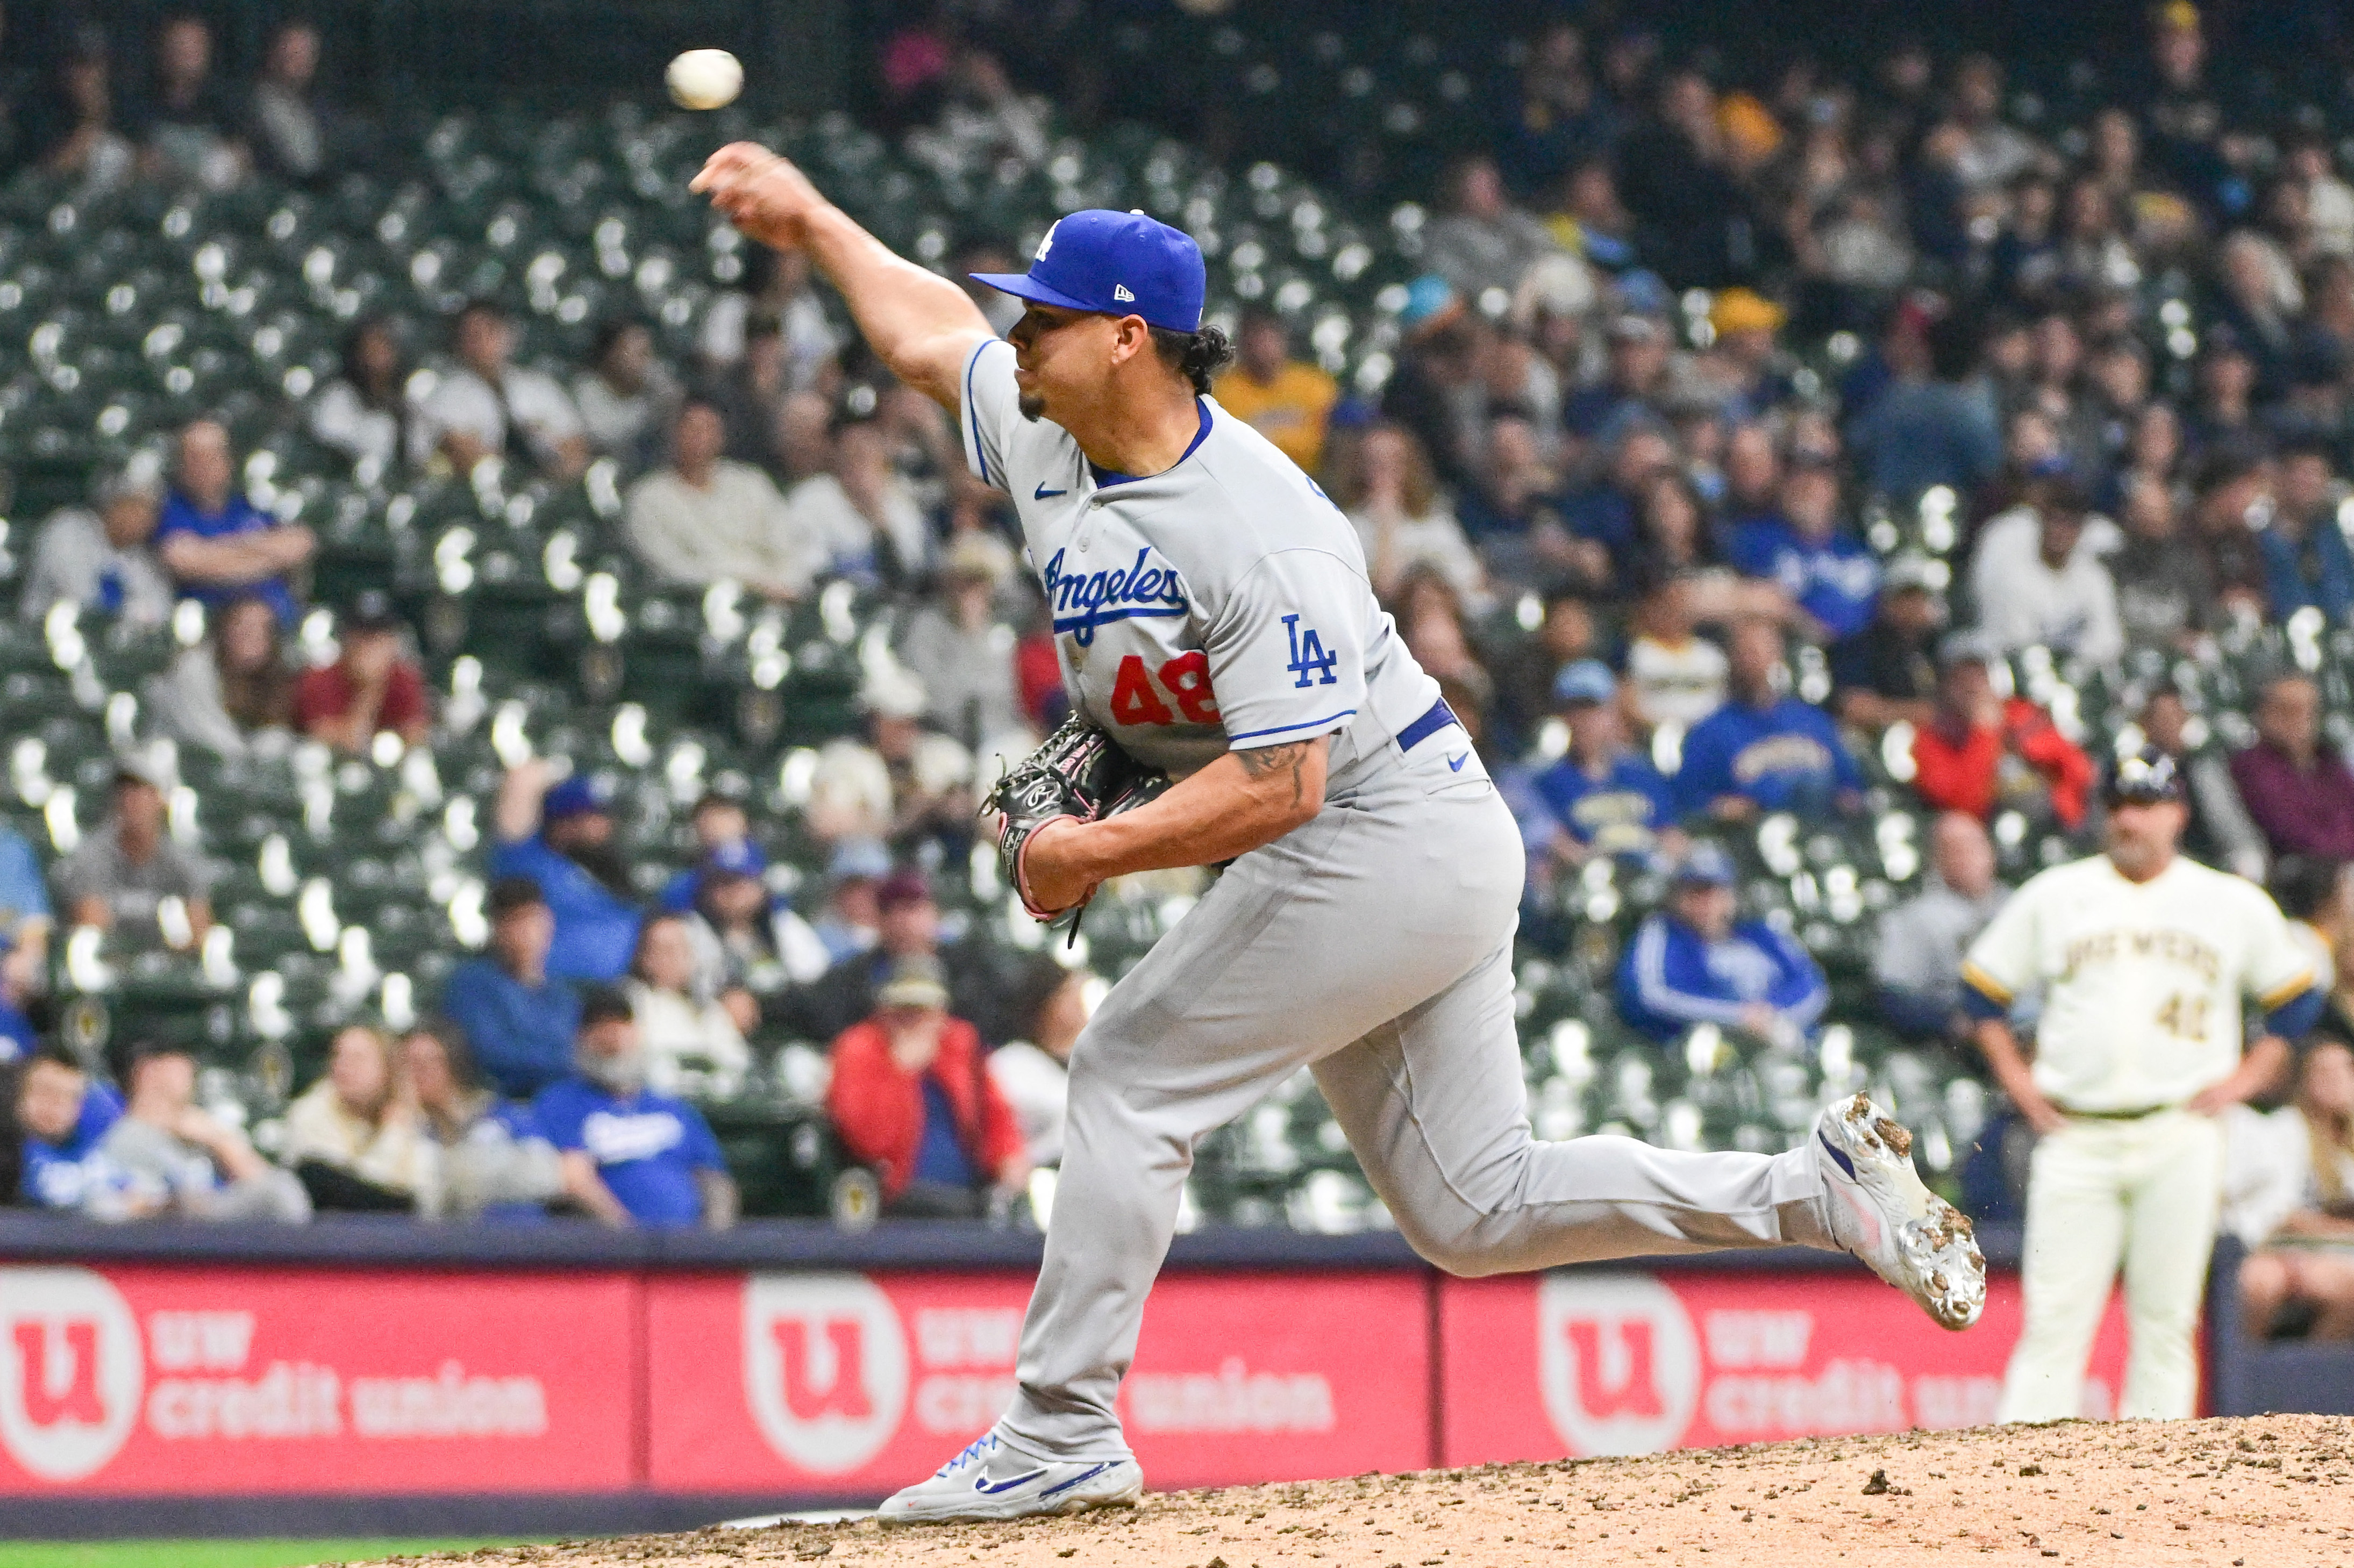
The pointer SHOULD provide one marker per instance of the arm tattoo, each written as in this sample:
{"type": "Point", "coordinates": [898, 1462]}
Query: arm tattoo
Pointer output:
{"type": "Point", "coordinates": [1261, 761]}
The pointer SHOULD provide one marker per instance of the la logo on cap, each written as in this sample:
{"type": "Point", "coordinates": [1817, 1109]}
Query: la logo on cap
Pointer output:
{"type": "Point", "coordinates": [1119, 291]}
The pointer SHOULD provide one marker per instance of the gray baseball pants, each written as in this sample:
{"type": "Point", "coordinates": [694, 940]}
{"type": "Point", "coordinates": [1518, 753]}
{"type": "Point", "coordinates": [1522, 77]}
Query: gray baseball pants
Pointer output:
{"type": "Point", "coordinates": [1373, 945]}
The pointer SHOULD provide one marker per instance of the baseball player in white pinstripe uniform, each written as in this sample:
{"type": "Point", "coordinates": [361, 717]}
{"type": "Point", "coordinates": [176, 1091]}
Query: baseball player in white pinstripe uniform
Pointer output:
{"type": "Point", "coordinates": [1214, 619]}
{"type": "Point", "coordinates": [2142, 958]}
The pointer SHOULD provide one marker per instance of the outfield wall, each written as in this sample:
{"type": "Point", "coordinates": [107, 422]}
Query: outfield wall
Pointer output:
{"type": "Point", "coordinates": [371, 1375]}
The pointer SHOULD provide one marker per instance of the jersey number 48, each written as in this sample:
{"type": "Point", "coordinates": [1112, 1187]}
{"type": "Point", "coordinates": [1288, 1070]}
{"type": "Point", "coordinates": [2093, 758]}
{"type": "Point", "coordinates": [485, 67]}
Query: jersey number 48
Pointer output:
{"type": "Point", "coordinates": [1135, 699]}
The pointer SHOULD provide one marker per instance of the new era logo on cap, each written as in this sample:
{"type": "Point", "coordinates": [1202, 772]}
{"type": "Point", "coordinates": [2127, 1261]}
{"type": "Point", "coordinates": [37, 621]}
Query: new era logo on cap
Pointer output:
{"type": "Point", "coordinates": [1114, 263]}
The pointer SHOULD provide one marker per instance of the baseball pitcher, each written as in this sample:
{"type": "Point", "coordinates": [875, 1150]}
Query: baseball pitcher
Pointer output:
{"type": "Point", "coordinates": [2142, 957]}
{"type": "Point", "coordinates": [1215, 626]}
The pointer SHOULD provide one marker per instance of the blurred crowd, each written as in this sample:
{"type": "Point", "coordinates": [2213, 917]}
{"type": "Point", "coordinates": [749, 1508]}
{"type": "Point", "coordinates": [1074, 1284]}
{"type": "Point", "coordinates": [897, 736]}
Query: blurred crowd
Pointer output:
{"type": "Point", "coordinates": [1740, 435]}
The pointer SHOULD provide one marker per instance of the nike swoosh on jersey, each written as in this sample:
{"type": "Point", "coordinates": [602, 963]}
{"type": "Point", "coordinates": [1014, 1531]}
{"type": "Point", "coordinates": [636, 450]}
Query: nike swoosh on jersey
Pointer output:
{"type": "Point", "coordinates": [1455, 764]}
{"type": "Point", "coordinates": [983, 1484]}
{"type": "Point", "coordinates": [1043, 493]}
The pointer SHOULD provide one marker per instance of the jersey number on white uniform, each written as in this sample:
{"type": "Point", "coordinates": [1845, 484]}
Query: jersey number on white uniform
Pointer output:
{"type": "Point", "coordinates": [2184, 1016]}
{"type": "Point", "coordinates": [1134, 699]}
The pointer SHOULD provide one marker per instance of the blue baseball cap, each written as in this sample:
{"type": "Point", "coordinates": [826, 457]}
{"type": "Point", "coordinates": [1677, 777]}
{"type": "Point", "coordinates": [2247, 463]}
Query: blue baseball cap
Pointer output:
{"type": "Point", "coordinates": [1707, 866]}
{"type": "Point", "coordinates": [1115, 264]}
{"type": "Point", "coordinates": [1586, 681]}
{"type": "Point", "coordinates": [576, 795]}
{"type": "Point", "coordinates": [859, 857]}
{"type": "Point", "coordinates": [737, 857]}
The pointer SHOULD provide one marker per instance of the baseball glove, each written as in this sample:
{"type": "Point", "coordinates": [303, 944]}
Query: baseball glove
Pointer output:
{"type": "Point", "coordinates": [1080, 772]}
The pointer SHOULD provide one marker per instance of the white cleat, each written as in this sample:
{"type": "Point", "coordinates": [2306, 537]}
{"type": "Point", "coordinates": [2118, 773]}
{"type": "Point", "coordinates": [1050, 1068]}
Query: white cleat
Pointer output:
{"type": "Point", "coordinates": [992, 1481]}
{"type": "Point", "coordinates": [1880, 1211]}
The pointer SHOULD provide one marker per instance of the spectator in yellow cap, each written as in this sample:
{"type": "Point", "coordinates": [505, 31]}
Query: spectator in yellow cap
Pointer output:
{"type": "Point", "coordinates": [1744, 361]}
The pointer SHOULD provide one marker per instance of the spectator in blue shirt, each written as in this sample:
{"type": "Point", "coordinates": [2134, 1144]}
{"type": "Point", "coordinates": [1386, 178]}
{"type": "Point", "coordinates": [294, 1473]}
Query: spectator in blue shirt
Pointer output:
{"type": "Point", "coordinates": [15, 1029]}
{"type": "Point", "coordinates": [2306, 562]}
{"type": "Point", "coordinates": [218, 545]}
{"type": "Point", "coordinates": [1695, 962]}
{"type": "Point", "coordinates": [519, 1021]}
{"type": "Point", "coordinates": [64, 1116]}
{"type": "Point", "coordinates": [1827, 573]}
{"type": "Point", "coordinates": [716, 820]}
{"type": "Point", "coordinates": [26, 916]}
{"type": "Point", "coordinates": [1927, 429]}
{"type": "Point", "coordinates": [1636, 383]}
{"type": "Point", "coordinates": [561, 836]}
{"type": "Point", "coordinates": [1764, 750]}
{"type": "Point", "coordinates": [631, 1156]}
{"type": "Point", "coordinates": [1605, 797]}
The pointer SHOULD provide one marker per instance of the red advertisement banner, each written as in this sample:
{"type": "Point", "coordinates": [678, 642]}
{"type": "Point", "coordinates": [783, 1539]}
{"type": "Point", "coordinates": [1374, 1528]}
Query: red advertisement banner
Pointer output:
{"type": "Point", "coordinates": [191, 1381]}
{"type": "Point", "coordinates": [1630, 1362]}
{"type": "Point", "coordinates": [852, 1384]}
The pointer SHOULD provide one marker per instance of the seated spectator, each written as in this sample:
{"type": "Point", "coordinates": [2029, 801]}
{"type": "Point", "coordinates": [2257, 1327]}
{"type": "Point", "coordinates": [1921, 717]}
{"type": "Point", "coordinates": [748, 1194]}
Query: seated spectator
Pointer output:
{"type": "Point", "coordinates": [485, 407]}
{"type": "Point", "coordinates": [2289, 1188]}
{"type": "Point", "coordinates": [907, 926]}
{"type": "Point", "coordinates": [2164, 598]}
{"type": "Point", "coordinates": [167, 1158]}
{"type": "Point", "coordinates": [217, 545]}
{"type": "Point", "coordinates": [369, 689]}
{"type": "Point", "coordinates": [186, 132]}
{"type": "Point", "coordinates": [2299, 794]}
{"type": "Point", "coordinates": [290, 136]}
{"type": "Point", "coordinates": [1391, 497]}
{"type": "Point", "coordinates": [1927, 429]}
{"type": "Point", "coordinates": [627, 397]}
{"type": "Point", "coordinates": [2307, 561]}
{"type": "Point", "coordinates": [1764, 750]}
{"type": "Point", "coordinates": [707, 518]}
{"type": "Point", "coordinates": [1485, 245]}
{"type": "Point", "coordinates": [1674, 676]}
{"type": "Point", "coordinates": [77, 139]}
{"type": "Point", "coordinates": [689, 1037]}
{"type": "Point", "coordinates": [716, 819]}
{"type": "Point", "coordinates": [355, 1139]}
{"type": "Point", "coordinates": [2314, 896]}
{"type": "Point", "coordinates": [26, 918]}
{"type": "Point", "coordinates": [1916, 959]}
{"type": "Point", "coordinates": [1032, 1072]}
{"type": "Point", "coordinates": [130, 877]}
{"type": "Point", "coordinates": [851, 920]}
{"type": "Point", "coordinates": [1527, 671]}
{"type": "Point", "coordinates": [17, 1036]}
{"type": "Point", "coordinates": [103, 560]}
{"type": "Point", "coordinates": [860, 516]}
{"type": "Point", "coordinates": [2042, 579]}
{"type": "Point", "coordinates": [1887, 673]}
{"type": "Point", "coordinates": [231, 694]}
{"type": "Point", "coordinates": [1744, 368]}
{"type": "Point", "coordinates": [64, 1115]}
{"type": "Point", "coordinates": [910, 1098]}
{"type": "Point", "coordinates": [957, 645]}
{"type": "Point", "coordinates": [364, 413]}
{"type": "Point", "coordinates": [746, 938]}
{"type": "Point", "coordinates": [1982, 752]}
{"type": "Point", "coordinates": [2232, 490]}
{"type": "Point", "coordinates": [1694, 963]}
{"type": "Point", "coordinates": [560, 835]}
{"type": "Point", "coordinates": [1826, 572]}
{"type": "Point", "coordinates": [517, 1021]}
{"type": "Point", "coordinates": [1285, 400]}
{"type": "Point", "coordinates": [1605, 797]}
{"type": "Point", "coordinates": [777, 297]}
{"type": "Point", "coordinates": [493, 1161]}
{"type": "Point", "coordinates": [986, 122]}
{"type": "Point", "coordinates": [905, 783]}
{"type": "Point", "coordinates": [1518, 520]}
{"type": "Point", "coordinates": [1635, 384]}
{"type": "Point", "coordinates": [1433, 625]}
{"type": "Point", "coordinates": [631, 1156]}
{"type": "Point", "coordinates": [2220, 831]}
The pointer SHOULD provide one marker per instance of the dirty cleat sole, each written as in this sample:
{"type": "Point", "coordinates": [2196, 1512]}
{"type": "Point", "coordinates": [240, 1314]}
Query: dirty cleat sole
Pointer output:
{"type": "Point", "coordinates": [1880, 1212]}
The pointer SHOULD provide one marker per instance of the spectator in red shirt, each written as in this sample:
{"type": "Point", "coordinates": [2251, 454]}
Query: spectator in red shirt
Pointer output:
{"type": "Point", "coordinates": [2300, 793]}
{"type": "Point", "coordinates": [912, 1098]}
{"type": "Point", "coordinates": [370, 689]}
{"type": "Point", "coordinates": [1982, 752]}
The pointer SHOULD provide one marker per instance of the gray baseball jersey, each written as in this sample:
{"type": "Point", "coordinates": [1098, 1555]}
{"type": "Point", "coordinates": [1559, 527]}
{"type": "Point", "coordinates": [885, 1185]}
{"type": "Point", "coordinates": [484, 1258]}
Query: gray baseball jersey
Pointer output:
{"type": "Point", "coordinates": [1224, 604]}
{"type": "Point", "coordinates": [1221, 604]}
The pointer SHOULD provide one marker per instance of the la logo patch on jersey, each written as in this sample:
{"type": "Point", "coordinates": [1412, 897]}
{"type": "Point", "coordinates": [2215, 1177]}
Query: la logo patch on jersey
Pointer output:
{"type": "Point", "coordinates": [1309, 661]}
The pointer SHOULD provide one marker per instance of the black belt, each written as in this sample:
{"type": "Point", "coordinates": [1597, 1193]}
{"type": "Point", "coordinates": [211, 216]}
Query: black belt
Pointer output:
{"type": "Point", "coordinates": [2139, 1113]}
{"type": "Point", "coordinates": [1439, 717]}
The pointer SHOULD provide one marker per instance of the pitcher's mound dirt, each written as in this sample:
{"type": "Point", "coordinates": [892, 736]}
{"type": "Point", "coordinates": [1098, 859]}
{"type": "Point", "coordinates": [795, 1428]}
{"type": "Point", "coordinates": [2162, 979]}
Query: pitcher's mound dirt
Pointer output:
{"type": "Point", "coordinates": [2264, 1492]}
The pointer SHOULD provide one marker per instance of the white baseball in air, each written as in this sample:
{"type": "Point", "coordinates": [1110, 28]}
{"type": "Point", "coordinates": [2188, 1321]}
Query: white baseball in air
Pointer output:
{"type": "Point", "coordinates": [705, 79]}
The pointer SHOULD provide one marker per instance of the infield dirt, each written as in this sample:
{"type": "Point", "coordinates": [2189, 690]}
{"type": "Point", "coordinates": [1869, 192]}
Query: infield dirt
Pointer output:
{"type": "Point", "coordinates": [2262, 1492]}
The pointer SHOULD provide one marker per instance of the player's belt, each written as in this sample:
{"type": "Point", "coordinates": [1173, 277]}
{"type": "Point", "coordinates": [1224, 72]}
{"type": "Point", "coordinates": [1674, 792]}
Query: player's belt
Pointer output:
{"type": "Point", "coordinates": [1439, 717]}
{"type": "Point", "coordinates": [2136, 1114]}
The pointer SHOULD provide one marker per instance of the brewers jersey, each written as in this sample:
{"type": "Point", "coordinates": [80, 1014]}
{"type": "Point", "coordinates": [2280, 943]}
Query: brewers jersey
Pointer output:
{"type": "Point", "coordinates": [1183, 640]}
{"type": "Point", "coordinates": [2141, 981]}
